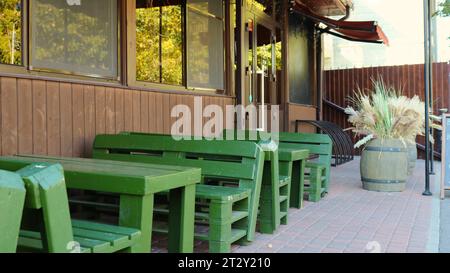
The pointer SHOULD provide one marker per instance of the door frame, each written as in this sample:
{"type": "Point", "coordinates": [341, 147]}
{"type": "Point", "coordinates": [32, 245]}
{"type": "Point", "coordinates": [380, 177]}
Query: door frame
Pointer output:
{"type": "Point", "coordinates": [269, 23]}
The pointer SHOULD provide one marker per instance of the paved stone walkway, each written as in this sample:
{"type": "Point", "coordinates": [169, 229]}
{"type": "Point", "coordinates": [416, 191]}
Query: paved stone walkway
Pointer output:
{"type": "Point", "coordinates": [351, 219]}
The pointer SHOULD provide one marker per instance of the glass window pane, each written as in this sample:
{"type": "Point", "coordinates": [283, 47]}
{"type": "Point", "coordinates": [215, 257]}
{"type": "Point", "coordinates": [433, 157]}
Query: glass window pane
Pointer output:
{"type": "Point", "coordinates": [10, 32]}
{"type": "Point", "coordinates": [147, 44]}
{"type": "Point", "coordinates": [300, 86]}
{"type": "Point", "coordinates": [265, 6]}
{"type": "Point", "coordinates": [171, 45]}
{"type": "Point", "coordinates": [159, 42]}
{"type": "Point", "coordinates": [75, 36]}
{"type": "Point", "coordinates": [205, 49]}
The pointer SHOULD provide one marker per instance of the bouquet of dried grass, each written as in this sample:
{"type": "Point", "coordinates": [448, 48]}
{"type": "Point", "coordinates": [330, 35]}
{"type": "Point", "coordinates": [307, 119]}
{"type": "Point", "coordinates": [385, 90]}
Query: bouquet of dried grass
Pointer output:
{"type": "Point", "coordinates": [386, 114]}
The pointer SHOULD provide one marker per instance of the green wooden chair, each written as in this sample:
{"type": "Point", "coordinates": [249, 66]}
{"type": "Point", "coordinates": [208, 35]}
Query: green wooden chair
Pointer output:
{"type": "Point", "coordinates": [48, 227]}
{"type": "Point", "coordinates": [317, 169]}
{"type": "Point", "coordinates": [228, 198]}
{"type": "Point", "coordinates": [12, 198]}
{"type": "Point", "coordinates": [275, 192]}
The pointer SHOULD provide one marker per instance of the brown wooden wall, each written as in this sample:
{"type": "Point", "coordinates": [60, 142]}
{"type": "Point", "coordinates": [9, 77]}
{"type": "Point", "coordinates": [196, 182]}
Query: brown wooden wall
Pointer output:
{"type": "Point", "coordinates": [59, 118]}
{"type": "Point", "coordinates": [339, 85]}
{"type": "Point", "coordinates": [301, 112]}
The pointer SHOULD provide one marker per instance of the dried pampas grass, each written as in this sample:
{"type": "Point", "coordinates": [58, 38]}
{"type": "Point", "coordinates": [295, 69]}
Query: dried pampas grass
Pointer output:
{"type": "Point", "coordinates": [386, 114]}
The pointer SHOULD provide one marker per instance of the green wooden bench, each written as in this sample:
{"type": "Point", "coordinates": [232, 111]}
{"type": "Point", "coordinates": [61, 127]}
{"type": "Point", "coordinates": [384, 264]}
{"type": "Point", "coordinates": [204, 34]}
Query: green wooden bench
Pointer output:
{"type": "Point", "coordinates": [230, 211]}
{"type": "Point", "coordinates": [277, 179]}
{"type": "Point", "coordinates": [317, 169]}
{"type": "Point", "coordinates": [12, 198]}
{"type": "Point", "coordinates": [293, 163]}
{"type": "Point", "coordinates": [47, 225]}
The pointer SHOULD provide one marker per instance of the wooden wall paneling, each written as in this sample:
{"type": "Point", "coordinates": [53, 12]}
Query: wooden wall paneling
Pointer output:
{"type": "Point", "coordinates": [110, 111]}
{"type": "Point", "coordinates": [166, 113]}
{"type": "Point", "coordinates": [188, 101]}
{"type": "Point", "coordinates": [136, 106]}
{"type": "Point", "coordinates": [25, 116]}
{"type": "Point", "coordinates": [39, 117]}
{"type": "Point", "coordinates": [100, 110]}
{"type": "Point", "coordinates": [9, 116]}
{"type": "Point", "coordinates": [152, 112]}
{"type": "Point", "coordinates": [78, 120]}
{"type": "Point", "coordinates": [66, 125]}
{"type": "Point", "coordinates": [119, 109]}
{"type": "Point", "coordinates": [53, 119]}
{"type": "Point", "coordinates": [159, 114]}
{"type": "Point", "coordinates": [89, 119]}
{"type": "Point", "coordinates": [128, 110]}
{"type": "Point", "coordinates": [172, 106]}
{"type": "Point", "coordinates": [144, 112]}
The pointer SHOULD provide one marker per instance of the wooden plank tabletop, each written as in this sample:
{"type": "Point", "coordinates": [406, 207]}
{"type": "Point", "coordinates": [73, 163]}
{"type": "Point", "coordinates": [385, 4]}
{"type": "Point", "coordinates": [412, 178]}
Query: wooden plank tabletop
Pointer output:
{"type": "Point", "coordinates": [112, 176]}
{"type": "Point", "coordinates": [292, 154]}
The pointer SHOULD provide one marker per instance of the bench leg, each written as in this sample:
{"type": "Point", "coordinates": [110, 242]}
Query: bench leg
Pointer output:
{"type": "Point", "coordinates": [302, 182]}
{"type": "Point", "coordinates": [137, 212]}
{"type": "Point", "coordinates": [326, 182]}
{"type": "Point", "coordinates": [220, 226]}
{"type": "Point", "coordinates": [286, 170]}
{"type": "Point", "coordinates": [181, 219]}
{"type": "Point", "coordinates": [219, 247]}
{"type": "Point", "coordinates": [315, 185]}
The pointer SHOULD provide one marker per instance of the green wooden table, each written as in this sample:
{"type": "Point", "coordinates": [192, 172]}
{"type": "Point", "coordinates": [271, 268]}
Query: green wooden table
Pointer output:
{"type": "Point", "coordinates": [292, 162]}
{"type": "Point", "coordinates": [136, 185]}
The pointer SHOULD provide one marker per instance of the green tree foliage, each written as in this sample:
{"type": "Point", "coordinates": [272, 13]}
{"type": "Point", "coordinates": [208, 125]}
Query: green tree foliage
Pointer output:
{"type": "Point", "coordinates": [445, 11]}
{"type": "Point", "coordinates": [159, 54]}
{"type": "Point", "coordinates": [264, 54]}
{"type": "Point", "coordinates": [75, 38]}
{"type": "Point", "coordinates": [10, 25]}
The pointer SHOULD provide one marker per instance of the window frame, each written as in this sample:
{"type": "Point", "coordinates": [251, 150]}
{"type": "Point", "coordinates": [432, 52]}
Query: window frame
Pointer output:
{"type": "Point", "coordinates": [127, 57]}
{"type": "Point", "coordinates": [26, 69]}
{"type": "Point", "coordinates": [131, 54]}
{"type": "Point", "coordinates": [20, 68]}
{"type": "Point", "coordinates": [224, 39]}
{"type": "Point", "coordinates": [67, 72]}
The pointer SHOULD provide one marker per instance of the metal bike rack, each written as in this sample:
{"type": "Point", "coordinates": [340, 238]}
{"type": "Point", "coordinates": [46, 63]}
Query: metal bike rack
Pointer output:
{"type": "Point", "coordinates": [343, 151]}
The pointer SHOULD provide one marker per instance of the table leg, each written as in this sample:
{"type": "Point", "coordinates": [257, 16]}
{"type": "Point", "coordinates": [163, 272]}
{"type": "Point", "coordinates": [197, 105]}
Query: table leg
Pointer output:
{"type": "Point", "coordinates": [297, 184]}
{"type": "Point", "coordinates": [269, 214]}
{"type": "Point", "coordinates": [302, 181]}
{"type": "Point", "coordinates": [181, 219]}
{"type": "Point", "coordinates": [137, 212]}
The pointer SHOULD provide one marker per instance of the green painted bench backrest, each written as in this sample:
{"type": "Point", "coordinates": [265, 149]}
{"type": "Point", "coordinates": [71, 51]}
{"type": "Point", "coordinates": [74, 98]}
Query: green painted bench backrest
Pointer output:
{"type": "Point", "coordinates": [238, 161]}
{"type": "Point", "coordinates": [221, 159]}
{"type": "Point", "coordinates": [46, 206]}
{"type": "Point", "coordinates": [12, 198]}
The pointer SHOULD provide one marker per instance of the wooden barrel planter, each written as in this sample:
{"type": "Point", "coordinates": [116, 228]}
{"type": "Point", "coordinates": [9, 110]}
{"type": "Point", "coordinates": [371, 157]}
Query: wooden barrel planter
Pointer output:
{"type": "Point", "coordinates": [384, 165]}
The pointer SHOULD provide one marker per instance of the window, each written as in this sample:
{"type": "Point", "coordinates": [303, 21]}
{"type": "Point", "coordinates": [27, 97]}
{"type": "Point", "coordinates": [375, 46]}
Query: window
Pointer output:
{"type": "Point", "coordinates": [10, 32]}
{"type": "Point", "coordinates": [180, 43]}
{"type": "Point", "coordinates": [205, 51]}
{"type": "Point", "coordinates": [159, 42]}
{"type": "Point", "coordinates": [300, 57]}
{"type": "Point", "coordinates": [265, 6]}
{"type": "Point", "coordinates": [76, 37]}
